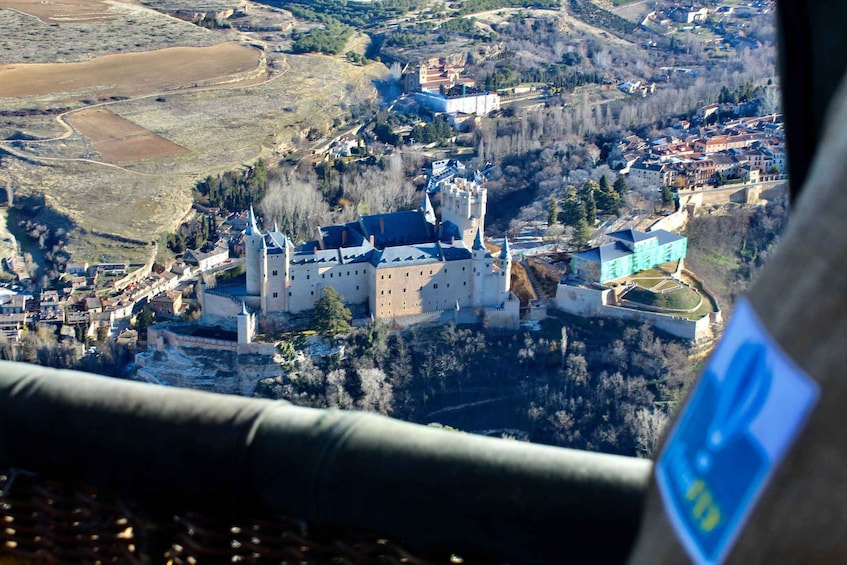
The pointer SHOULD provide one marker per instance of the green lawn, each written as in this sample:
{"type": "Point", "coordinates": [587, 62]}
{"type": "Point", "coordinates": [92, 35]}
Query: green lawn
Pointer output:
{"type": "Point", "coordinates": [681, 299]}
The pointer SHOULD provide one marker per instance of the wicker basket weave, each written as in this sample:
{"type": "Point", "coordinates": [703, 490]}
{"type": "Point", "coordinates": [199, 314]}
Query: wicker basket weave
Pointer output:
{"type": "Point", "coordinates": [49, 522]}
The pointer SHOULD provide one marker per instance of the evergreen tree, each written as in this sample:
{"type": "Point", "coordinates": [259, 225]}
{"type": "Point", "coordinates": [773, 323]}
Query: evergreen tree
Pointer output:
{"type": "Point", "coordinates": [590, 208]}
{"type": "Point", "coordinates": [553, 212]}
{"type": "Point", "coordinates": [143, 321]}
{"type": "Point", "coordinates": [604, 184]}
{"type": "Point", "coordinates": [580, 234]}
{"type": "Point", "coordinates": [620, 186]}
{"type": "Point", "coordinates": [330, 316]}
{"type": "Point", "coordinates": [667, 196]}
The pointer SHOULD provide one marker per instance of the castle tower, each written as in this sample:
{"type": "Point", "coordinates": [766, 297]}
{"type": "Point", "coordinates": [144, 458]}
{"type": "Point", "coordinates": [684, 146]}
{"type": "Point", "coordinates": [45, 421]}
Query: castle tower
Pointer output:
{"type": "Point", "coordinates": [504, 261]}
{"type": "Point", "coordinates": [245, 323]}
{"type": "Point", "coordinates": [478, 255]}
{"type": "Point", "coordinates": [253, 240]}
{"type": "Point", "coordinates": [463, 204]}
{"type": "Point", "coordinates": [263, 275]}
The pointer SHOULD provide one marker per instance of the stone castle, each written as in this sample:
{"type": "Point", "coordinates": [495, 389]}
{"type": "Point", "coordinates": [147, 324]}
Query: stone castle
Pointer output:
{"type": "Point", "coordinates": [406, 266]}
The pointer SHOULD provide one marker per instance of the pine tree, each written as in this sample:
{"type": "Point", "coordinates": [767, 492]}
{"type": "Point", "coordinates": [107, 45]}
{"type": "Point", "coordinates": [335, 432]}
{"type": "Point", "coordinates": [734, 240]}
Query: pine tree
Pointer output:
{"type": "Point", "coordinates": [620, 186]}
{"type": "Point", "coordinates": [553, 212]}
{"type": "Point", "coordinates": [330, 317]}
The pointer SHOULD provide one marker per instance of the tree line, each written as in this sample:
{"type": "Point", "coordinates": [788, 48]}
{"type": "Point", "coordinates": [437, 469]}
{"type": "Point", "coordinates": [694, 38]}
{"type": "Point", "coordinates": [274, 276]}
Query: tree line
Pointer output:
{"type": "Point", "coordinates": [606, 386]}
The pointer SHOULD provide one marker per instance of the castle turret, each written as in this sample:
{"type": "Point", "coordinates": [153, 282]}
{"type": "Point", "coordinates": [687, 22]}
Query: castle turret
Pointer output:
{"type": "Point", "coordinates": [246, 325]}
{"type": "Point", "coordinates": [427, 209]}
{"type": "Point", "coordinates": [478, 254]}
{"type": "Point", "coordinates": [263, 275]}
{"type": "Point", "coordinates": [504, 261]}
{"type": "Point", "coordinates": [253, 240]}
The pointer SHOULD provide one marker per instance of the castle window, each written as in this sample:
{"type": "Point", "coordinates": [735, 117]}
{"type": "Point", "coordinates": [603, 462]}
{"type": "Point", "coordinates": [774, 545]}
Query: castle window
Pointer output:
{"type": "Point", "coordinates": [357, 287]}
{"type": "Point", "coordinates": [357, 272]}
{"type": "Point", "coordinates": [430, 271]}
{"type": "Point", "coordinates": [407, 274]}
{"type": "Point", "coordinates": [434, 285]}
{"type": "Point", "coordinates": [323, 276]}
{"type": "Point", "coordinates": [348, 273]}
{"type": "Point", "coordinates": [404, 290]}
{"type": "Point", "coordinates": [464, 283]}
{"type": "Point", "coordinates": [389, 276]}
{"type": "Point", "coordinates": [421, 273]}
{"type": "Point", "coordinates": [307, 277]}
{"type": "Point", "coordinates": [289, 293]}
{"type": "Point", "coordinates": [503, 274]}
{"type": "Point", "coordinates": [330, 275]}
{"type": "Point", "coordinates": [381, 292]}
{"type": "Point", "coordinates": [463, 269]}
{"type": "Point", "coordinates": [448, 285]}
{"type": "Point", "coordinates": [381, 277]}
{"type": "Point", "coordinates": [273, 274]}
{"type": "Point", "coordinates": [292, 277]}
{"type": "Point", "coordinates": [313, 293]}
{"type": "Point", "coordinates": [389, 291]}
{"type": "Point", "coordinates": [275, 294]}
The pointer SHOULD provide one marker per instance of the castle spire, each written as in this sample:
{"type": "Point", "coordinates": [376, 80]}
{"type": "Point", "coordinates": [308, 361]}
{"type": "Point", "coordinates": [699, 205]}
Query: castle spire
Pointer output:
{"type": "Point", "coordinates": [276, 227]}
{"type": "Point", "coordinates": [428, 210]}
{"type": "Point", "coordinates": [252, 228]}
{"type": "Point", "coordinates": [243, 308]}
{"type": "Point", "coordinates": [477, 242]}
{"type": "Point", "coordinates": [504, 252]}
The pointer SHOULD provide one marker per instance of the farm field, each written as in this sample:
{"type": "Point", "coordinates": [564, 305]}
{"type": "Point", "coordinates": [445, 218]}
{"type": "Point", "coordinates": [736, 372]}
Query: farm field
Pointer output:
{"type": "Point", "coordinates": [67, 11]}
{"type": "Point", "coordinates": [129, 74]}
{"type": "Point", "coordinates": [119, 140]}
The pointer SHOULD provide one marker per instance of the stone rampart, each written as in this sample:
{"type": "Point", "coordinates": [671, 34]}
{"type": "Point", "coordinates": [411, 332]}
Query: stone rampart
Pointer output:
{"type": "Point", "coordinates": [591, 301]}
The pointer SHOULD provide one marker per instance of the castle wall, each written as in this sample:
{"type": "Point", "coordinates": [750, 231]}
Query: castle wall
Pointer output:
{"type": "Point", "coordinates": [276, 291]}
{"type": "Point", "coordinates": [589, 302]}
{"type": "Point", "coordinates": [414, 289]}
{"type": "Point", "coordinates": [220, 310]}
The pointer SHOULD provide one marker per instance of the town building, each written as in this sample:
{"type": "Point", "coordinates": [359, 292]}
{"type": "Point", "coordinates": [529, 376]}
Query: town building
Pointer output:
{"type": "Point", "coordinates": [630, 251]}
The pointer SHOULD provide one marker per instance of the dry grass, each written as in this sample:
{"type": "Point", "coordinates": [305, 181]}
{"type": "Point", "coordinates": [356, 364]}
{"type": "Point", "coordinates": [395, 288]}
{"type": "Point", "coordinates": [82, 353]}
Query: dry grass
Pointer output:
{"type": "Point", "coordinates": [521, 285]}
{"type": "Point", "coordinates": [129, 74]}
{"type": "Point", "coordinates": [119, 28]}
{"type": "Point", "coordinates": [68, 11]}
{"type": "Point", "coordinates": [119, 140]}
{"type": "Point", "coordinates": [222, 129]}
{"type": "Point", "coordinates": [214, 102]}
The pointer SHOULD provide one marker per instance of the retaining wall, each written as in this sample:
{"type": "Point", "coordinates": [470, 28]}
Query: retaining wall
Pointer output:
{"type": "Point", "coordinates": [588, 302]}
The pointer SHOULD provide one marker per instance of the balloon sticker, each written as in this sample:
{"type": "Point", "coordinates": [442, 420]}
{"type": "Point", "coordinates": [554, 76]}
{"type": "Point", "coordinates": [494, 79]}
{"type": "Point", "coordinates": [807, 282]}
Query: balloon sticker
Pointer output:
{"type": "Point", "coordinates": [748, 406]}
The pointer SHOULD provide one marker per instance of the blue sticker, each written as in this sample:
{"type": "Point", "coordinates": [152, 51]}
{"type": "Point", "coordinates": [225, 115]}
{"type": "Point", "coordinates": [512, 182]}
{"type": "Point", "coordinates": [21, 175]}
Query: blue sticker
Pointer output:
{"type": "Point", "coordinates": [748, 406]}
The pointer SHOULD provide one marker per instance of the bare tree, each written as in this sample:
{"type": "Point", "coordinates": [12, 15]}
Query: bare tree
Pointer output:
{"type": "Point", "coordinates": [296, 205]}
{"type": "Point", "coordinates": [377, 392]}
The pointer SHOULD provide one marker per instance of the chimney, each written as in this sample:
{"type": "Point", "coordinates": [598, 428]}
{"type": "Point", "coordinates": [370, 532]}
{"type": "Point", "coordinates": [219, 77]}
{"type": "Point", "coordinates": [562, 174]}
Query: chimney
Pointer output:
{"type": "Point", "coordinates": [343, 237]}
{"type": "Point", "coordinates": [381, 224]}
{"type": "Point", "coordinates": [372, 240]}
{"type": "Point", "coordinates": [452, 240]}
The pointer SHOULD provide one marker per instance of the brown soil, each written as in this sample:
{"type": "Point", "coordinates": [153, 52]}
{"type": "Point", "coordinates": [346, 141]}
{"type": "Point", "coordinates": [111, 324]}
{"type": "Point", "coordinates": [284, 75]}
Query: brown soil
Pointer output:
{"type": "Point", "coordinates": [119, 140]}
{"type": "Point", "coordinates": [67, 11]}
{"type": "Point", "coordinates": [129, 74]}
{"type": "Point", "coordinates": [521, 285]}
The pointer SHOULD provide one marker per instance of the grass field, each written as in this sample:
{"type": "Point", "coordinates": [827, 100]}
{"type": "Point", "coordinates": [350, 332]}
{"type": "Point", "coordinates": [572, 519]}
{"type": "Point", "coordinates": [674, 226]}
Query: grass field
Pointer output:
{"type": "Point", "coordinates": [119, 140]}
{"type": "Point", "coordinates": [682, 298]}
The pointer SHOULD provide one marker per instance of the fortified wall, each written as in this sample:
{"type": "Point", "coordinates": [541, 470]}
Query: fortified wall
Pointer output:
{"type": "Point", "coordinates": [177, 359]}
{"type": "Point", "coordinates": [599, 301]}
